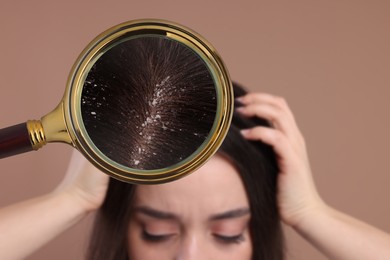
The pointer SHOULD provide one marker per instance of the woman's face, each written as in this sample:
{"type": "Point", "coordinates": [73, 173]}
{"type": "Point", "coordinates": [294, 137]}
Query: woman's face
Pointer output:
{"type": "Point", "coordinates": [202, 216]}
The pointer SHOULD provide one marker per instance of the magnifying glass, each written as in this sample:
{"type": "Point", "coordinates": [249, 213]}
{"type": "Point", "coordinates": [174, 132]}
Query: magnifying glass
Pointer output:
{"type": "Point", "coordinates": [147, 101]}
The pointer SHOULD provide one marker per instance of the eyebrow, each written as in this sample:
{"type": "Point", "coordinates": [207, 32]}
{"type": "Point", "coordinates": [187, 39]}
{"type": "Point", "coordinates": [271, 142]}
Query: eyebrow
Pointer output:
{"type": "Point", "coordinates": [163, 215]}
{"type": "Point", "coordinates": [236, 213]}
{"type": "Point", "coordinates": [154, 213]}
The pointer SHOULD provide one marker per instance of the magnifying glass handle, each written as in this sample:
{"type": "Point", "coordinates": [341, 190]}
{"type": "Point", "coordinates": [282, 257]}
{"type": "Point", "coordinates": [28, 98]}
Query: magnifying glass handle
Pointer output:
{"type": "Point", "coordinates": [19, 138]}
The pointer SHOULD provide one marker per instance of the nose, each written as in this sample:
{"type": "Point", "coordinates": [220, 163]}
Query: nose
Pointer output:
{"type": "Point", "coordinates": [192, 248]}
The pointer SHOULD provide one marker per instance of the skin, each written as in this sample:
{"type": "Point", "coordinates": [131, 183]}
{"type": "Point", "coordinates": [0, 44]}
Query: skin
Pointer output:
{"type": "Point", "coordinates": [192, 218]}
{"type": "Point", "coordinates": [335, 234]}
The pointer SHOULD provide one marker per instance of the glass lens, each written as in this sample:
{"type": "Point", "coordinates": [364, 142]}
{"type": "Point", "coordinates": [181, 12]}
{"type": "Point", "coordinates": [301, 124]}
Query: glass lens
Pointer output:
{"type": "Point", "coordinates": [149, 102]}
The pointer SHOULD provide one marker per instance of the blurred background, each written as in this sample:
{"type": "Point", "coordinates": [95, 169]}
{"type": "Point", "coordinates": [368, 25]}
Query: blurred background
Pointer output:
{"type": "Point", "coordinates": [329, 59]}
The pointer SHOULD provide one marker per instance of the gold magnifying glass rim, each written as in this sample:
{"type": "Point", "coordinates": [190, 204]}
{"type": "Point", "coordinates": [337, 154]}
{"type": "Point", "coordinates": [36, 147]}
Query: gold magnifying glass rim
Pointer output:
{"type": "Point", "coordinates": [129, 30]}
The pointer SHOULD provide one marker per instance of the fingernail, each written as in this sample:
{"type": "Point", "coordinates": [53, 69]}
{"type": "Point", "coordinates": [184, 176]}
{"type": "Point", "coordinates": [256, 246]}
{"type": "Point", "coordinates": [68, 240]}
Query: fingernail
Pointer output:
{"type": "Point", "coordinates": [239, 99]}
{"type": "Point", "coordinates": [245, 132]}
{"type": "Point", "coordinates": [240, 109]}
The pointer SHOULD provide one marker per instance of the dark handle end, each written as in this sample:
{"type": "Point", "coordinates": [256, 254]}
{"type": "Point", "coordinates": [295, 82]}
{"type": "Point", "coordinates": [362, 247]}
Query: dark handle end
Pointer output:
{"type": "Point", "coordinates": [15, 140]}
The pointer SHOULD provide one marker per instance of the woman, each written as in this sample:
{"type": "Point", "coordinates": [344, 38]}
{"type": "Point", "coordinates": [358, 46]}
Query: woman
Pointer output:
{"type": "Point", "coordinates": [289, 194]}
{"type": "Point", "coordinates": [247, 170]}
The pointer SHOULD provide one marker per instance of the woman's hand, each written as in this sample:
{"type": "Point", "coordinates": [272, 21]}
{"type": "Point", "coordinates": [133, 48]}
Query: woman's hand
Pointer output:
{"type": "Point", "coordinates": [27, 225]}
{"type": "Point", "coordinates": [334, 233]}
{"type": "Point", "coordinates": [83, 183]}
{"type": "Point", "coordinates": [297, 194]}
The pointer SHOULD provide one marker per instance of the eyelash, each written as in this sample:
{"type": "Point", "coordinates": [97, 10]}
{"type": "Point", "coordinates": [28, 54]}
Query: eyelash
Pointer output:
{"type": "Point", "coordinates": [223, 239]}
{"type": "Point", "coordinates": [154, 238]}
{"type": "Point", "coordinates": [230, 239]}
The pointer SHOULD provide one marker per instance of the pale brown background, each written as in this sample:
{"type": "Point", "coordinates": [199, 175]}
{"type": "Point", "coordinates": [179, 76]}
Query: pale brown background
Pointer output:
{"type": "Point", "coordinates": [329, 59]}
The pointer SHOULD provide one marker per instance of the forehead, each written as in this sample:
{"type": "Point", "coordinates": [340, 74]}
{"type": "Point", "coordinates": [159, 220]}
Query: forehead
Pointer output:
{"type": "Point", "coordinates": [215, 187]}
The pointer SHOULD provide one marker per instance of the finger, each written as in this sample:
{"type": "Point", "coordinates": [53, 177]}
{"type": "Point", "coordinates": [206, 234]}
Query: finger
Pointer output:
{"type": "Point", "coordinates": [76, 161]}
{"type": "Point", "coordinates": [79, 165]}
{"type": "Point", "coordinates": [264, 98]}
{"type": "Point", "coordinates": [278, 119]}
{"type": "Point", "coordinates": [274, 115]}
{"type": "Point", "coordinates": [275, 110]}
{"type": "Point", "coordinates": [273, 137]}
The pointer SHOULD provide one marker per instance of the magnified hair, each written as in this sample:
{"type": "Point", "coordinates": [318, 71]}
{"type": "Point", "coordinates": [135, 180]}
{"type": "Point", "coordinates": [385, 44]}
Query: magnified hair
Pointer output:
{"type": "Point", "coordinates": [149, 103]}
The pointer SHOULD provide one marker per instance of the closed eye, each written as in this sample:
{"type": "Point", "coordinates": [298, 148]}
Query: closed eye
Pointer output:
{"type": "Point", "coordinates": [229, 239]}
{"type": "Point", "coordinates": [155, 238]}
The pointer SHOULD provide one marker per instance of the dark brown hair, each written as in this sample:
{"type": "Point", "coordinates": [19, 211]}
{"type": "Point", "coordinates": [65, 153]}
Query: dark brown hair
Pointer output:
{"type": "Point", "coordinates": [257, 166]}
